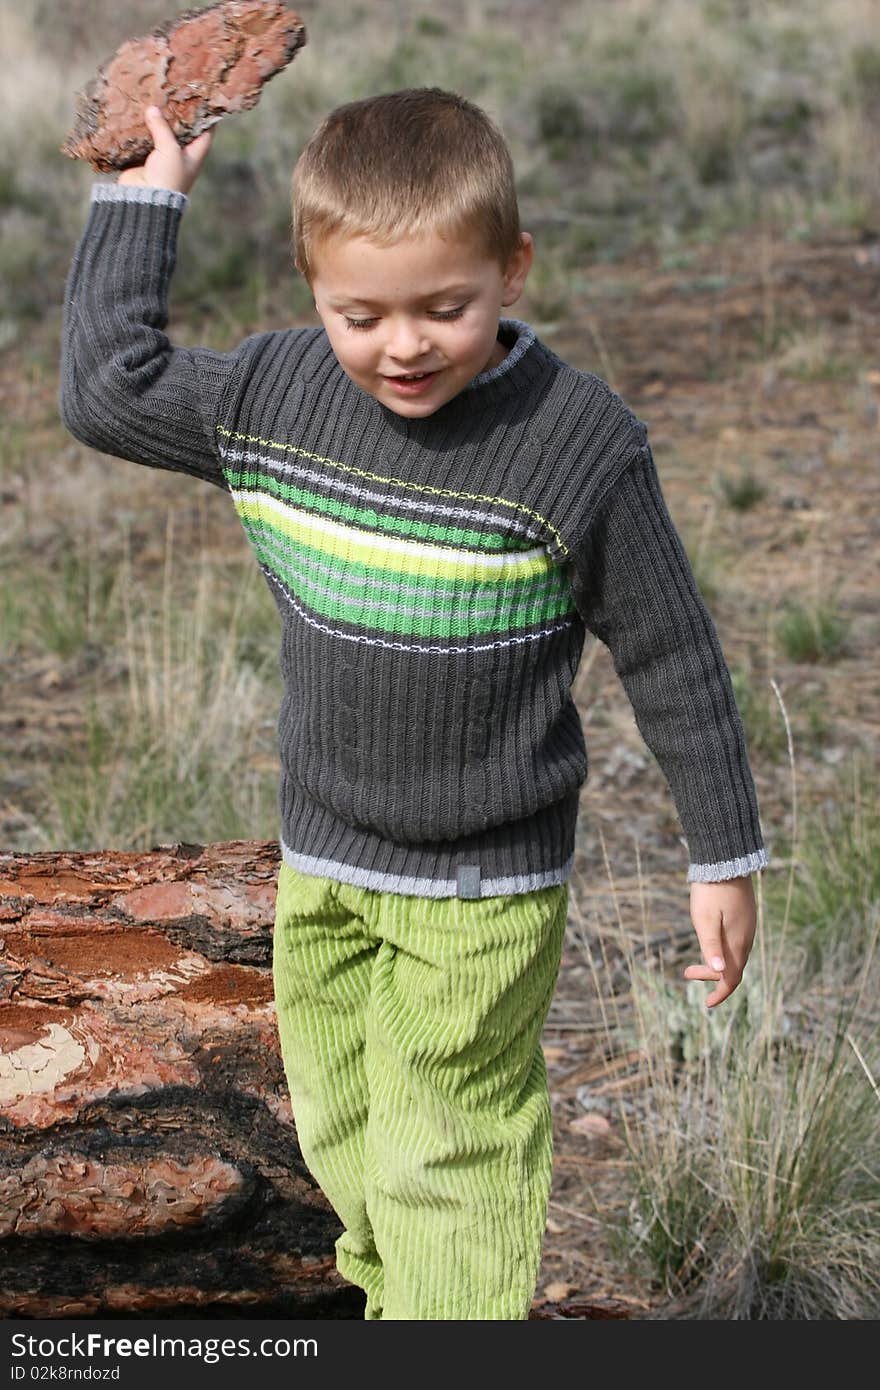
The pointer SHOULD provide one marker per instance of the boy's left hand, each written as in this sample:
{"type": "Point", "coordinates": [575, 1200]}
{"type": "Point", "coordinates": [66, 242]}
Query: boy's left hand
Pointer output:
{"type": "Point", "coordinates": [724, 917]}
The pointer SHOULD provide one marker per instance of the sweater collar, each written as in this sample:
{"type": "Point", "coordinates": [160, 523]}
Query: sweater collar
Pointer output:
{"type": "Point", "coordinates": [510, 379]}
{"type": "Point", "coordinates": [517, 337]}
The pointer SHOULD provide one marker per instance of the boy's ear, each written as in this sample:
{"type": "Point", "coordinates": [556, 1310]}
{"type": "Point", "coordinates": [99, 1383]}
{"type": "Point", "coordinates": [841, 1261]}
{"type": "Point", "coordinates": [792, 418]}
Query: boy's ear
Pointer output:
{"type": "Point", "coordinates": [518, 268]}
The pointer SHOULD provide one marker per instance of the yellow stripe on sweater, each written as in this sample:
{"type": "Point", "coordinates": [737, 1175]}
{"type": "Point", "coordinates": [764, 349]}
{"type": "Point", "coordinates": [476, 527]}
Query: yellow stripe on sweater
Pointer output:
{"type": "Point", "coordinates": [387, 552]}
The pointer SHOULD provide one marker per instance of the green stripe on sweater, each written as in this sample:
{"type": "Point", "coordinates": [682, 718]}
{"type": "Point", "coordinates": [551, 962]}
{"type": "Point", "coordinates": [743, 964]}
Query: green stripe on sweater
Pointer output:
{"type": "Point", "coordinates": [471, 610]}
{"type": "Point", "coordinates": [436, 532]}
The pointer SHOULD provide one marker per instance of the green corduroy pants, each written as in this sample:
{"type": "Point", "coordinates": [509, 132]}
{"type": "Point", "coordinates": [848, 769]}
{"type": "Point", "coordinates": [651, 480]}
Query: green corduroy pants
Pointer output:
{"type": "Point", "coordinates": [410, 1032]}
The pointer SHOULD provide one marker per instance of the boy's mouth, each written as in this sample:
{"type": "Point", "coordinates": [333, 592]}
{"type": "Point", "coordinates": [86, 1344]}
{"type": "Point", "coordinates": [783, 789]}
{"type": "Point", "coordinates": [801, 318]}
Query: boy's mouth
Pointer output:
{"type": "Point", "coordinates": [411, 383]}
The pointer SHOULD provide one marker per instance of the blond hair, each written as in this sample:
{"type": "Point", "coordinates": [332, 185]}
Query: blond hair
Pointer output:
{"type": "Point", "coordinates": [418, 160]}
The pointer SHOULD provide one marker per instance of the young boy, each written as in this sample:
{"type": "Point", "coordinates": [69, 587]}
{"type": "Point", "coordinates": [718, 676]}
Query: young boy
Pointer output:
{"type": "Point", "coordinates": [441, 508]}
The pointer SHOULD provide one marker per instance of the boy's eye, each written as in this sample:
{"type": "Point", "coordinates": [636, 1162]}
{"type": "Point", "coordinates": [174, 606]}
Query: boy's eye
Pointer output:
{"type": "Point", "coordinates": [441, 314]}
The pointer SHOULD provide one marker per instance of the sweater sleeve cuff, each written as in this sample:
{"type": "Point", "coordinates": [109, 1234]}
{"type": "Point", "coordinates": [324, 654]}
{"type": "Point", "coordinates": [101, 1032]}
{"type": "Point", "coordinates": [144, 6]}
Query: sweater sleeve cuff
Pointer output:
{"type": "Point", "coordinates": [728, 868]}
{"type": "Point", "coordinates": [136, 193]}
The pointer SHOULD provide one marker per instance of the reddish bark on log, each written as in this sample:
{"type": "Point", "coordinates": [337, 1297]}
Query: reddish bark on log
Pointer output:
{"type": "Point", "coordinates": [197, 68]}
{"type": "Point", "coordinates": [148, 1155]}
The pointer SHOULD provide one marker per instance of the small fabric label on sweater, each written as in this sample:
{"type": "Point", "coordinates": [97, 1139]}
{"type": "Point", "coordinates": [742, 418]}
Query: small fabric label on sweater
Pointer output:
{"type": "Point", "coordinates": [468, 880]}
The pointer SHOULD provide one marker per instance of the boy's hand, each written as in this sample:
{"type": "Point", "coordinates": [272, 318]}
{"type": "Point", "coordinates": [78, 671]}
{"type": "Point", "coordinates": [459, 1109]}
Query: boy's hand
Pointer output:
{"type": "Point", "coordinates": [724, 917]}
{"type": "Point", "coordinates": [168, 165]}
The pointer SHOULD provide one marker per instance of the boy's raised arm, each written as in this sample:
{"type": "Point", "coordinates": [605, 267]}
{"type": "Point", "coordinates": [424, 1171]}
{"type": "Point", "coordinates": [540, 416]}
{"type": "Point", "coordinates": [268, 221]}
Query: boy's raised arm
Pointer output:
{"type": "Point", "coordinates": [124, 388]}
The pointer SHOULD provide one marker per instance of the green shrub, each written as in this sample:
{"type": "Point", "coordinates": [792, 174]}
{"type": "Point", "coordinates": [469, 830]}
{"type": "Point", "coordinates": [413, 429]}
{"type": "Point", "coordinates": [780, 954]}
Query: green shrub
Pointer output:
{"type": "Point", "coordinates": [815, 633]}
{"type": "Point", "coordinates": [833, 895]}
{"type": "Point", "coordinates": [431, 26]}
{"type": "Point", "coordinates": [864, 74]}
{"type": "Point", "coordinates": [640, 106]}
{"type": "Point", "coordinates": [762, 722]}
{"type": "Point", "coordinates": [741, 491]}
{"type": "Point", "coordinates": [559, 115]}
{"type": "Point", "coordinates": [713, 155]}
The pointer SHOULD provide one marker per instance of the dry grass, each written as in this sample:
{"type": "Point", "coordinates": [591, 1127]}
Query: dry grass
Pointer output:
{"type": "Point", "coordinates": [752, 1134]}
{"type": "Point", "coordinates": [183, 732]}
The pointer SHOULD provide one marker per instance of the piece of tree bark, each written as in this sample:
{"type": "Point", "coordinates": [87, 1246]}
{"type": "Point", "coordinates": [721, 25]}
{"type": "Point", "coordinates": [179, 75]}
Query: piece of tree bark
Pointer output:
{"type": "Point", "coordinates": [149, 1163]}
{"type": "Point", "coordinates": [197, 68]}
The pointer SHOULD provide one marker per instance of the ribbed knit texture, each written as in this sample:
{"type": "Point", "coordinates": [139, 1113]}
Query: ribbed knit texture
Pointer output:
{"type": "Point", "coordinates": [435, 579]}
{"type": "Point", "coordinates": [411, 1036]}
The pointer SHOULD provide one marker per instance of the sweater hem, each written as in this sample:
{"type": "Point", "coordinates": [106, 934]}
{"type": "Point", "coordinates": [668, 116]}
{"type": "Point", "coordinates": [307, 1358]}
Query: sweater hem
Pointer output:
{"type": "Point", "coordinates": [413, 886]}
{"type": "Point", "coordinates": [520, 856]}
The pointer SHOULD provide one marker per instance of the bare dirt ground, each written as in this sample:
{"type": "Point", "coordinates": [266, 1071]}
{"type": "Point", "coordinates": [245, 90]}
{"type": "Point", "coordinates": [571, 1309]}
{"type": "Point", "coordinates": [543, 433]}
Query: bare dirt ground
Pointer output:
{"type": "Point", "coordinates": [759, 353]}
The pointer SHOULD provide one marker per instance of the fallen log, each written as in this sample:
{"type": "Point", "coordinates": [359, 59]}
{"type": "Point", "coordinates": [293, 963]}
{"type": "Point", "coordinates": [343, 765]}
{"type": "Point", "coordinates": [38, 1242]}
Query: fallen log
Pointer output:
{"type": "Point", "coordinates": [149, 1163]}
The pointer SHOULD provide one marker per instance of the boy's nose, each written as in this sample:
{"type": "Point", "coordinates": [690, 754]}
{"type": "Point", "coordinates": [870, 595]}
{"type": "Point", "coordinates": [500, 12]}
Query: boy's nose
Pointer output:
{"type": "Point", "coordinates": [406, 342]}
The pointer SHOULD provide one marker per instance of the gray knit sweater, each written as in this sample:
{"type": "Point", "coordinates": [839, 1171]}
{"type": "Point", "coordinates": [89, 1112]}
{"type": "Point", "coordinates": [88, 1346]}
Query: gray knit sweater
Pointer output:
{"type": "Point", "coordinates": [435, 578]}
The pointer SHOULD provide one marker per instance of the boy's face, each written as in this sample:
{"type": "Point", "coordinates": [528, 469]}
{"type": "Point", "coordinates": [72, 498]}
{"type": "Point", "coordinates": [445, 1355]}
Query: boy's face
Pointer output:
{"type": "Point", "coordinates": [425, 304]}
